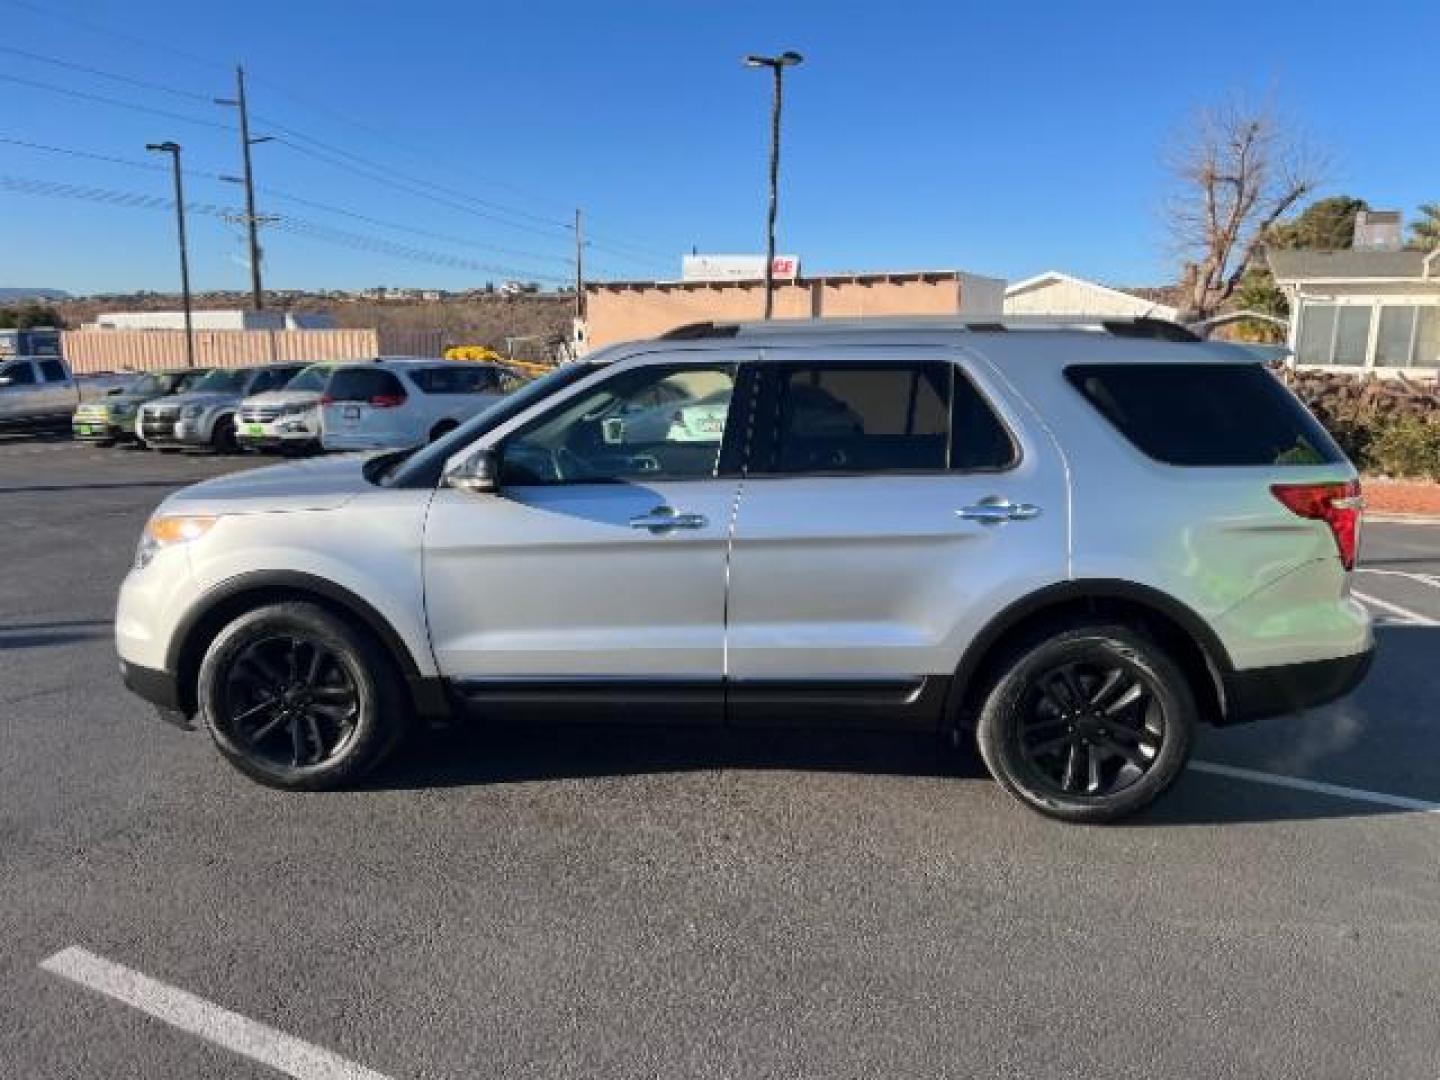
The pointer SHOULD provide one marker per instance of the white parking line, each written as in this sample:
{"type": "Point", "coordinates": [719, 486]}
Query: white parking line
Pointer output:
{"type": "Point", "coordinates": [1412, 617]}
{"type": "Point", "coordinates": [1379, 798]}
{"type": "Point", "coordinates": [1432, 580]}
{"type": "Point", "coordinates": [187, 1012]}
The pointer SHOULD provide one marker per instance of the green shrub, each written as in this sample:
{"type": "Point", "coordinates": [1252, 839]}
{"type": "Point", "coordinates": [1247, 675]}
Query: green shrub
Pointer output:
{"type": "Point", "coordinates": [1405, 446]}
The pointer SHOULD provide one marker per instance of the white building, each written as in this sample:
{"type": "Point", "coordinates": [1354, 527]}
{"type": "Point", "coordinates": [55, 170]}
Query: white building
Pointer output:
{"type": "Point", "coordinates": [235, 319]}
{"type": "Point", "coordinates": [1054, 293]}
{"type": "Point", "coordinates": [1362, 309]}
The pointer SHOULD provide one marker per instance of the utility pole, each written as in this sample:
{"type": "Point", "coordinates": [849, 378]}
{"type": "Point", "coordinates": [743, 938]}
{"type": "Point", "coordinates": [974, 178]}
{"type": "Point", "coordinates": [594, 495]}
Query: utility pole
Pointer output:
{"type": "Point", "coordinates": [173, 149]}
{"type": "Point", "coordinates": [579, 269]}
{"type": "Point", "coordinates": [777, 65]}
{"type": "Point", "coordinates": [252, 220]}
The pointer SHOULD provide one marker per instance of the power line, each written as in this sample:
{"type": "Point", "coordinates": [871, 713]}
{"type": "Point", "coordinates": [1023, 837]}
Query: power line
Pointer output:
{"type": "Point", "coordinates": [297, 226]}
{"type": "Point", "coordinates": [128, 80]}
{"type": "Point", "coordinates": [115, 102]}
{"type": "Point", "coordinates": [288, 197]}
{"type": "Point", "coordinates": [621, 248]}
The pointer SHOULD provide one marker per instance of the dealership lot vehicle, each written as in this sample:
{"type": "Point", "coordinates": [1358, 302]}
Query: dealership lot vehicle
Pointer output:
{"type": "Point", "coordinates": [886, 532]}
{"type": "Point", "coordinates": [40, 391]}
{"type": "Point", "coordinates": [204, 416]}
{"type": "Point", "coordinates": [287, 418]}
{"type": "Point", "coordinates": [401, 402]}
{"type": "Point", "coordinates": [107, 420]}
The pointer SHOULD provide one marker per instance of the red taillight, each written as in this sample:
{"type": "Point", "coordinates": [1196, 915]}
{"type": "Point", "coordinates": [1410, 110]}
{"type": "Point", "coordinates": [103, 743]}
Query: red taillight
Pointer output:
{"type": "Point", "coordinates": [326, 399]}
{"type": "Point", "coordinates": [1338, 505]}
{"type": "Point", "coordinates": [387, 401]}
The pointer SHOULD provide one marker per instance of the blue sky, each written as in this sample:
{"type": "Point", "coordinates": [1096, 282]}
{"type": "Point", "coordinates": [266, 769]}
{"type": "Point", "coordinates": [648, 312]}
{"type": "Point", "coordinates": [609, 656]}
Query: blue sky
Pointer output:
{"type": "Point", "coordinates": [997, 138]}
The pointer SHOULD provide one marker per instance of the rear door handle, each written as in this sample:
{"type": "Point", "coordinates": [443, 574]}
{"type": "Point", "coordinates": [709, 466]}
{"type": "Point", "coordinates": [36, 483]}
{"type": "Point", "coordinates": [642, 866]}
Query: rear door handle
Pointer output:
{"type": "Point", "coordinates": [665, 518]}
{"type": "Point", "coordinates": [995, 510]}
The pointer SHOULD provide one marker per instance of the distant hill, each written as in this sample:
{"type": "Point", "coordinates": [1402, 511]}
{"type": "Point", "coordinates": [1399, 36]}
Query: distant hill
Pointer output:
{"type": "Point", "coordinates": [9, 296]}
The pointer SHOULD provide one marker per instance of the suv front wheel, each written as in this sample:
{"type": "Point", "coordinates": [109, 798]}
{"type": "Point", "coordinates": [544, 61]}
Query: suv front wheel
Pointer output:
{"type": "Point", "coordinates": [1088, 725]}
{"type": "Point", "coordinates": [296, 699]}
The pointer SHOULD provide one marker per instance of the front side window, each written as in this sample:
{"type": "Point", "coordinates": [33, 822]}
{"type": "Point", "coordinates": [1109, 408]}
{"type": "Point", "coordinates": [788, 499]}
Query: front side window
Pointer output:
{"type": "Point", "coordinates": [53, 370]}
{"type": "Point", "coordinates": [21, 374]}
{"type": "Point", "coordinates": [662, 422]}
{"type": "Point", "coordinates": [859, 418]}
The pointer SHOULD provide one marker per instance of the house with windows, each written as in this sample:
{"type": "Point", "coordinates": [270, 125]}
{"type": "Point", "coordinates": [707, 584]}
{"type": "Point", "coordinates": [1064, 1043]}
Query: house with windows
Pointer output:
{"type": "Point", "coordinates": [1371, 308]}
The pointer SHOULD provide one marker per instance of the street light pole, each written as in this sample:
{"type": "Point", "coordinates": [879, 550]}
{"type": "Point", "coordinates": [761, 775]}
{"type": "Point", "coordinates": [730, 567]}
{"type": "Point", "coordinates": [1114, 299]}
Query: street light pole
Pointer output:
{"type": "Point", "coordinates": [777, 66]}
{"type": "Point", "coordinates": [173, 149]}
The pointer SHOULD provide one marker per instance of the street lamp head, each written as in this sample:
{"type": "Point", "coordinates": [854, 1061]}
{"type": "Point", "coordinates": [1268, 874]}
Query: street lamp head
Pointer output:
{"type": "Point", "coordinates": [789, 58]}
{"type": "Point", "coordinates": [164, 147]}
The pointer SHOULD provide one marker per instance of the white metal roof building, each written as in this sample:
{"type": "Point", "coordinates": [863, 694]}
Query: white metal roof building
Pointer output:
{"type": "Point", "coordinates": [1054, 293]}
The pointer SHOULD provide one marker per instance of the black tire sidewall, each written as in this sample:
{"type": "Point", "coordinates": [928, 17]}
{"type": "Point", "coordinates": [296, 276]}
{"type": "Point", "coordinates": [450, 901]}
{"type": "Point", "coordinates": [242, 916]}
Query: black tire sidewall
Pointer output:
{"type": "Point", "coordinates": [380, 717]}
{"type": "Point", "coordinates": [998, 728]}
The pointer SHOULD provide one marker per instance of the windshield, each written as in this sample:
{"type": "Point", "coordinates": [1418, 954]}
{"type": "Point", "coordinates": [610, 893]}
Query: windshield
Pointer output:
{"type": "Point", "coordinates": [313, 377]}
{"type": "Point", "coordinates": [421, 467]}
{"type": "Point", "coordinates": [150, 384]}
{"type": "Point", "coordinates": [222, 379]}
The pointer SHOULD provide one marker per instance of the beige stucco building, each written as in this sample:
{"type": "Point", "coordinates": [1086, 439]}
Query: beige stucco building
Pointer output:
{"type": "Point", "coordinates": [629, 310]}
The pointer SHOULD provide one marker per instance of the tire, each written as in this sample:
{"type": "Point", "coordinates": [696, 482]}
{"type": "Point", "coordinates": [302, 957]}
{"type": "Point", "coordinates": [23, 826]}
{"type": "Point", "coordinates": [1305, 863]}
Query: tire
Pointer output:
{"type": "Point", "coordinates": [443, 428]}
{"type": "Point", "coordinates": [318, 738]}
{"type": "Point", "coordinates": [222, 438]}
{"type": "Point", "coordinates": [1089, 724]}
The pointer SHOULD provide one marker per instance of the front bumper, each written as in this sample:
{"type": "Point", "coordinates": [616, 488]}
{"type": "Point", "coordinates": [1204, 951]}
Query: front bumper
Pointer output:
{"type": "Point", "coordinates": [1289, 688]}
{"type": "Point", "coordinates": [100, 431]}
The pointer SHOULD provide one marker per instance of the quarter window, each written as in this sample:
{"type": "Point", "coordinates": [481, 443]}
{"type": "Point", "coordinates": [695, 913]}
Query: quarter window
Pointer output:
{"type": "Point", "coordinates": [647, 423]}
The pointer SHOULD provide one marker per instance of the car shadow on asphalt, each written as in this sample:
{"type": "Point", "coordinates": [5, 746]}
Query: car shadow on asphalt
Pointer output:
{"type": "Point", "coordinates": [481, 754]}
{"type": "Point", "coordinates": [41, 635]}
{"type": "Point", "coordinates": [41, 489]}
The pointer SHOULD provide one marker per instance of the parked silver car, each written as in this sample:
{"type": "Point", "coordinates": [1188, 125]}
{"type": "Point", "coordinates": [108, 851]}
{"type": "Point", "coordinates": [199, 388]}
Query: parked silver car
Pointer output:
{"type": "Point", "coordinates": [1071, 544]}
{"type": "Point", "coordinates": [204, 416]}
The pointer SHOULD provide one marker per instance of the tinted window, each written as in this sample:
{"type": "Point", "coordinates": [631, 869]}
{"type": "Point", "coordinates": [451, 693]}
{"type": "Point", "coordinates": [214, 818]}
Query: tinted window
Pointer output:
{"type": "Point", "coordinates": [52, 370]}
{"type": "Point", "coordinates": [362, 384]}
{"type": "Point", "coordinates": [271, 379]}
{"type": "Point", "coordinates": [20, 374]}
{"type": "Point", "coordinates": [222, 380]}
{"type": "Point", "coordinates": [1206, 414]}
{"type": "Point", "coordinates": [647, 423]}
{"type": "Point", "coordinates": [884, 418]}
{"type": "Point", "coordinates": [457, 378]}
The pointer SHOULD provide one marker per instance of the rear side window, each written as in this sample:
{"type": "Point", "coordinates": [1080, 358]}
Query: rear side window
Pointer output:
{"type": "Point", "coordinates": [1206, 414]}
{"type": "Point", "coordinates": [364, 384]}
{"type": "Point", "coordinates": [457, 378]}
{"type": "Point", "coordinates": [53, 370]}
{"type": "Point", "coordinates": [857, 418]}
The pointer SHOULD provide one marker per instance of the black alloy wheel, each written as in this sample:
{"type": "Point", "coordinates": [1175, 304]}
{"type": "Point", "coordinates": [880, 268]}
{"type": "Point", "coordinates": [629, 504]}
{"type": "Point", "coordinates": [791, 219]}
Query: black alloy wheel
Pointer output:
{"type": "Point", "coordinates": [1087, 723]}
{"type": "Point", "coordinates": [1090, 728]}
{"type": "Point", "coordinates": [296, 698]}
{"type": "Point", "coordinates": [290, 701]}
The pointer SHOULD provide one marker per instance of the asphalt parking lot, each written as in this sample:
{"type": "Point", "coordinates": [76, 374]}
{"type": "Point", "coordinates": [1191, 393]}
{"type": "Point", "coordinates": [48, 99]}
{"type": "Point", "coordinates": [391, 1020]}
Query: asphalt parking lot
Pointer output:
{"type": "Point", "coordinates": [642, 904]}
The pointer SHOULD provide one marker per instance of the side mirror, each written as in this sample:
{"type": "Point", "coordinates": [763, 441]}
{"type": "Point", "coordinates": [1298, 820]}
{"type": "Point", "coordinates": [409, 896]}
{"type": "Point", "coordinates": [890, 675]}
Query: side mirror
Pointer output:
{"type": "Point", "coordinates": [478, 474]}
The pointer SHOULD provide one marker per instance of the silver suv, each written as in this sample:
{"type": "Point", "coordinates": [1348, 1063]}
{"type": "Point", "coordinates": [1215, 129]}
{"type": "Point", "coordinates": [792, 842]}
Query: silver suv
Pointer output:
{"type": "Point", "coordinates": [1071, 543]}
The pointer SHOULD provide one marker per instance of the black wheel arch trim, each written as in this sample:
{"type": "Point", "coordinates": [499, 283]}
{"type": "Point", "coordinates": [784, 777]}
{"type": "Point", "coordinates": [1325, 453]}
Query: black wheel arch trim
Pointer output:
{"type": "Point", "coordinates": [425, 692]}
{"type": "Point", "coordinates": [1217, 657]}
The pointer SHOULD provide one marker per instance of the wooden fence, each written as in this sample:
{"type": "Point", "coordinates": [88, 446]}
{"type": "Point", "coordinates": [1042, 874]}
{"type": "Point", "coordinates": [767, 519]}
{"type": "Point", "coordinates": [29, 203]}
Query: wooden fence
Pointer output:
{"type": "Point", "coordinates": [90, 351]}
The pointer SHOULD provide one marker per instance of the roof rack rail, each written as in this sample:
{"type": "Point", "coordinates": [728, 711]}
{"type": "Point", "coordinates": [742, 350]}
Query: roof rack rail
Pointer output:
{"type": "Point", "coordinates": [1143, 327]}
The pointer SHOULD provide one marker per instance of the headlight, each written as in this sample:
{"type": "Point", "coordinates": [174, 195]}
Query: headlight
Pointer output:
{"type": "Point", "coordinates": [169, 530]}
{"type": "Point", "coordinates": [297, 409]}
{"type": "Point", "coordinates": [192, 412]}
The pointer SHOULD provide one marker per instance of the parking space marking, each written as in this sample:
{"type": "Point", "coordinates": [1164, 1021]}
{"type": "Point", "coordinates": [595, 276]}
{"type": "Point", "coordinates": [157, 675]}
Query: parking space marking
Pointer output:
{"type": "Point", "coordinates": [1432, 580]}
{"type": "Point", "coordinates": [185, 1011]}
{"type": "Point", "coordinates": [1414, 618]}
{"type": "Point", "coordinates": [1318, 787]}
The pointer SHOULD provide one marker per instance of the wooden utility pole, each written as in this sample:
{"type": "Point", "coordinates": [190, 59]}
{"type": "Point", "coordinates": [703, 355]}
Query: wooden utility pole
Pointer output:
{"type": "Point", "coordinates": [257, 294]}
{"type": "Point", "coordinates": [579, 268]}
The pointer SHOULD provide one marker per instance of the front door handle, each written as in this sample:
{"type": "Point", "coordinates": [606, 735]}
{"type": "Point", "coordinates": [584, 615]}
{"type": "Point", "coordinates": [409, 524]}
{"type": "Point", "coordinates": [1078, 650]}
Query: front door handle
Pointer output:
{"type": "Point", "coordinates": [995, 509]}
{"type": "Point", "coordinates": [665, 518]}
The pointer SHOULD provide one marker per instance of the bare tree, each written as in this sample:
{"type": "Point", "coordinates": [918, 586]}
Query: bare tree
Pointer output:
{"type": "Point", "coordinates": [1238, 171]}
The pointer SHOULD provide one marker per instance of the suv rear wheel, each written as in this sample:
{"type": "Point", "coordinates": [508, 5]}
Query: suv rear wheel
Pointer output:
{"type": "Point", "coordinates": [1088, 725]}
{"type": "Point", "coordinates": [296, 699]}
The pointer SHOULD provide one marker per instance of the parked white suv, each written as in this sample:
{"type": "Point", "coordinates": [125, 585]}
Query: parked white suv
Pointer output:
{"type": "Point", "coordinates": [1076, 544]}
{"type": "Point", "coordinates": [393, 403]}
